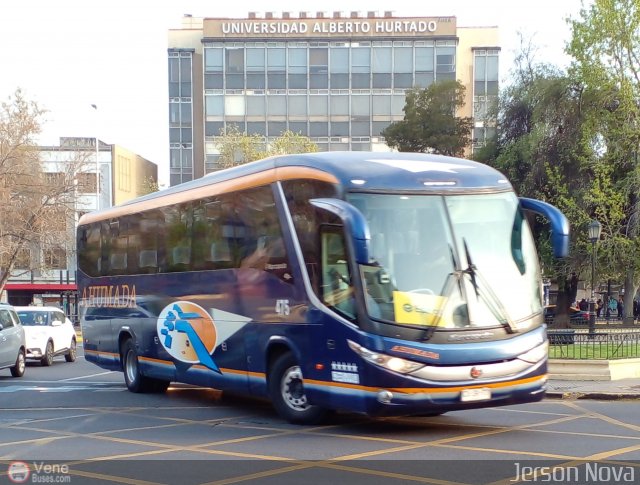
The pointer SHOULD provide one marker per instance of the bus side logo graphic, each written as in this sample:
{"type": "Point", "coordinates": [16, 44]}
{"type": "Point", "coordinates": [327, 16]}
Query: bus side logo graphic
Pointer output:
{"type": "Point", "coordinates": [188, 333]}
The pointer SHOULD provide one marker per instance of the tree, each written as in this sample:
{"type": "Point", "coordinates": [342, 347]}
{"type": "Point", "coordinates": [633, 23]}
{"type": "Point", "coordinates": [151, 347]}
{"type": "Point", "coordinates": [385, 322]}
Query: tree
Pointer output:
{"type": "Point", "coordinates": [544, 147]}
{"type": "Point", "coordinates": [149, 185]}
{"type": "Point", "coordinates": [290, 142]}
{"type": "Point", "coordinates": [605, 45]}
{"type": "Point", "coordinates": [38, 206]}
{"type": "Point", "coordinates": [237, 148]}
{"type": "Point", "coordinates": [430, 124]}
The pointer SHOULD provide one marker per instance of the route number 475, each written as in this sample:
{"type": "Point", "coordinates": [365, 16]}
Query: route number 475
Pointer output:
{"type": "Point", "coordinates": [282, 307]}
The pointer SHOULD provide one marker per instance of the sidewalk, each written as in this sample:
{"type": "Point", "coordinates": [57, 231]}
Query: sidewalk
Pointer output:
{"type": "Point", "coordinates": [602, 390]}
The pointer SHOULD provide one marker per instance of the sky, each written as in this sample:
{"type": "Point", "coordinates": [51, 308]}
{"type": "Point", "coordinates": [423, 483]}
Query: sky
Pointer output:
{"type": "Point", "coordinates": [67, 55]}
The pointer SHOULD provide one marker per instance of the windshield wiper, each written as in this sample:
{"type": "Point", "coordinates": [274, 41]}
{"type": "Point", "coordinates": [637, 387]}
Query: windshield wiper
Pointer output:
{"type": "Point", "coordinates": [471, 268]}
{"type": "Point", "coordinates": [490, 298]}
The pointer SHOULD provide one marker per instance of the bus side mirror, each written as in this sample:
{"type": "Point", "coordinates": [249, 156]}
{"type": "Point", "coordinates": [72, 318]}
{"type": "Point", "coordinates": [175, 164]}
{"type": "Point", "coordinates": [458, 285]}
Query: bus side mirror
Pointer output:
{"type": "Point", "coordinates": [559, 224]}
{"type": "Point", "coordinates": [354, 222]}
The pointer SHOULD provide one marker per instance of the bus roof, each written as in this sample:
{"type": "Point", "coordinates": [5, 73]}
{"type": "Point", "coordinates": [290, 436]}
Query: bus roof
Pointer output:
{"type": "Point", "coordinates": [362, 171]}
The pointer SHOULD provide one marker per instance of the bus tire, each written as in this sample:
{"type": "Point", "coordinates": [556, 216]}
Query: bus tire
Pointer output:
{"type": "Point", "coordinates": [287, 392]}
{"type": "Point", "coordinates": [136, 382]}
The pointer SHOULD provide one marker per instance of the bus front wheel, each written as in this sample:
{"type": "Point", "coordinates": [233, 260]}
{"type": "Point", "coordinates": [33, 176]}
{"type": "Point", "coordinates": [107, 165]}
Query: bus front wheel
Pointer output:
{"type": "Point", "coordinates": [287, 392]}
{"type": "Point", "coordinates": [135, 380]}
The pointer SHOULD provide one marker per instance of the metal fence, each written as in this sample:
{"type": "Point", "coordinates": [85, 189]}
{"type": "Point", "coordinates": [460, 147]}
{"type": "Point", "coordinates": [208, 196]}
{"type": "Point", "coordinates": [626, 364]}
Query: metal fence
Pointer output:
{"type": "Point", "coordinates": [601, 345]}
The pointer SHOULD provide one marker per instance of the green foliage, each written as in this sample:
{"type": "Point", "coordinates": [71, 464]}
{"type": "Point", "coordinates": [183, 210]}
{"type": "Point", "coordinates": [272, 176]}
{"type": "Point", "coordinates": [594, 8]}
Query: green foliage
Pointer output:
{"type": "Point", "coordinates": [237, 148]}
{"type": "Point", "coordinates": [149, 185]}
{"type": "Point", "coordinates": [605, 47]}
{"type": "Point", "coordinates": [290, 142]}
{"type": "Point", "coordinates": [430, 124]}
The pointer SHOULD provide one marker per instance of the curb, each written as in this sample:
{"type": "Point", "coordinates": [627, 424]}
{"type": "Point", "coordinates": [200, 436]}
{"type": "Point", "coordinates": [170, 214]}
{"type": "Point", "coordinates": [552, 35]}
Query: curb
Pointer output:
{"type": "Point", "coordinates": [599, 396]}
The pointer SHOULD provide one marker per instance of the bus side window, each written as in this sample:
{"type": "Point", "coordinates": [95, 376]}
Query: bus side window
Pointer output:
{"type": "Point", "coordinates": [336, 287]}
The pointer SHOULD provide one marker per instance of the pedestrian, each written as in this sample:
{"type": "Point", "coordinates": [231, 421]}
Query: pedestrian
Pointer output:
{"type": "Point", "coordinates": [620, 307]}
{"type": "Point", "coordinates": [599, 307]}
{"type": "Point", "coordinates": [583, 305]}
{"type": "Point", "coordinates": [612, 307]}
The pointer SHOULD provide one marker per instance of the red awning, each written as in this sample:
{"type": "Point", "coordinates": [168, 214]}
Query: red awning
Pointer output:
{"type": "Point", "coordinates": [46, 287]}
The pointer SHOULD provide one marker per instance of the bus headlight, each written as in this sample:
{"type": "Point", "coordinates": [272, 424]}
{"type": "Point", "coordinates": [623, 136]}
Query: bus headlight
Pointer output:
{"type": "Point", "coordinates": [395, 364]}
{"type": "Point", "coordinates": [536, 354]}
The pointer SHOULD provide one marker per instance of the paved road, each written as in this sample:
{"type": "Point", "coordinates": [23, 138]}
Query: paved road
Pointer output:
{"type": "Point", "coordinates": [86, 427]}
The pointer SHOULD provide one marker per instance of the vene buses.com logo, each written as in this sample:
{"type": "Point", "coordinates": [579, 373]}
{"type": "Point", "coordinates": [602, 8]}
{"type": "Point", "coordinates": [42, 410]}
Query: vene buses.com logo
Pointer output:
{"type": "Point", "coordinates": [18, 472]}
{"type": "Point", "coordinates": [188, 333]}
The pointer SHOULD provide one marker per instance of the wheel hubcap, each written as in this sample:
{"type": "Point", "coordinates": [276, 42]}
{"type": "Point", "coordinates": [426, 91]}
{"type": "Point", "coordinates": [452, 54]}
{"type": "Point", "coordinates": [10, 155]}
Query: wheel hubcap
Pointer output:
{"type": "Point", "coordinates": [21, 363]}
{"type": "Point", "coordinates": [292, 389]}
{"type": "Point", "coordinates": [131, 366]}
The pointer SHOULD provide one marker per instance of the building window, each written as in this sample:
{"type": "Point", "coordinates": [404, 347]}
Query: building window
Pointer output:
{"type": "Point", "coordinates": [234, 105]}
{"type": "Point", "coordinates": [87, 183]}
{"type": "Point", "coordinates": [185, 77]}
{"type": "Point", "coordinates": [55, 179]}
{"type": "Point", "coordinates": [214, 106]}
{"type": "Point", "coordinates": [234, 61]}
{"type": "Point", "coordinates": [23, 259]}
{"type": "Point", "coordinates": [318, 129]}
{"type": "Point", "coordinates": [402, 67]}
{"type": "Point", "coordinates": [299, 127]}
{"type": "Point", "coordinates": [277, 105]}
{"type": "Point", "coordinates": [55, 258]}
{"type": "Point", "coordinates": [256, 68]}
{"type": "Point", "coordinates": [124, 173]}
{"type": "Point", "coordinates": [276, 128]}
{"type": "Point", "coordinates": [256, 106]}
{"type": "Point", "coordinates": [213, 60]}
{"type": "Point", "coordinates": [361, 68]}
{"type": "Point", "coordinates": [445, 63]}
{"type": "Point", "coordinates": [339, 128]}
{"type": "Point", "coordinates": [360, 106]}
{"type": "Point", "coordinates": [485, 83]}
{"type": "Point", "coordinates": [298, 106]}
{"type": "Point", "coordinates": [318, 106]}
{"type": "Point", "coordinates": [319, 68]}
{"type": "Point", "coordinates": [257, 128]}
{"type": "Point", "coordinates": [339, 105]}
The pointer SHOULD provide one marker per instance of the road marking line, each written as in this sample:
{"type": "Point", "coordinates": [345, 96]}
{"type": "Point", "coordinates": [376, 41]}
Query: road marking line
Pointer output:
{"type": "Point", "coordinates": [91, 375]}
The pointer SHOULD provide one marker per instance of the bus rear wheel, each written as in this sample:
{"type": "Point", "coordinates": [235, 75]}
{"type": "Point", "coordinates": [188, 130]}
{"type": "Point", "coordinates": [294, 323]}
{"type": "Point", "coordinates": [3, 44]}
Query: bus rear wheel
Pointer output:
{"type": "Point", "coordinates": [286, 390]}
{"type": "Point", "coordinates": [135, 380]}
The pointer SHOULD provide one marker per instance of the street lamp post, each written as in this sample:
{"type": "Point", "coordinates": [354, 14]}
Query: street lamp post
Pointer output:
{"type": "Point", "coordinates": [95, 107]}
{"type": "Point", "coordinates": [594, 235]}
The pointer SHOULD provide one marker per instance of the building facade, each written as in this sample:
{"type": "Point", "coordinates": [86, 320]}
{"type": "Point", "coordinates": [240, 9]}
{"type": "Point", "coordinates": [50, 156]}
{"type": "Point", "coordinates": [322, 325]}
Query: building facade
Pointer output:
{"type": "Point", "coordinates": [340, 80]}
{"type": "Point", "coordinates": [123, 176]}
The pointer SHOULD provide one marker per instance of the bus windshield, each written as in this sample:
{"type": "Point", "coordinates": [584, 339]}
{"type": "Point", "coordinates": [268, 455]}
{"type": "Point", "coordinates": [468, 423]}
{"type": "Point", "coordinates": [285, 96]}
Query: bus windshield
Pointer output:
{"type": "Point", "coordinates": [450, 262]}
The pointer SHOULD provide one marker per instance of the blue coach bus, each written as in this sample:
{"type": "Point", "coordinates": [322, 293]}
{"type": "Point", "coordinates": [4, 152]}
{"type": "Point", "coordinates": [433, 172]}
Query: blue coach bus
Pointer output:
{"type": "Point", "coordinates": [377, 283]}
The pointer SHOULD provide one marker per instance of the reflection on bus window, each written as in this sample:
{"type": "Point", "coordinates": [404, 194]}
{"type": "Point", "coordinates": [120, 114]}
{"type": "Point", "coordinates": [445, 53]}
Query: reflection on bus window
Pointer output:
{"type": "Point", "coordinates": [337, 289]}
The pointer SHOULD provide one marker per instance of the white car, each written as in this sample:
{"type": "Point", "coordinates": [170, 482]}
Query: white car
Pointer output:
{"type": "Point", "coordinates": [48, 333]}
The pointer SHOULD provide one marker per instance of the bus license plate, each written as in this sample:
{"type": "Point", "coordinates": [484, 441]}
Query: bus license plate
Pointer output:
{"type": "Point", "coordinates": [478, 394]}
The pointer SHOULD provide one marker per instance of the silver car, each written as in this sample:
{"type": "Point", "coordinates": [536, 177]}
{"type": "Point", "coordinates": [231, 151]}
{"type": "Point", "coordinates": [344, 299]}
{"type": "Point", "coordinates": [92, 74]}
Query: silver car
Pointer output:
{"type": "Point", "coordinates": [12, 341]}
